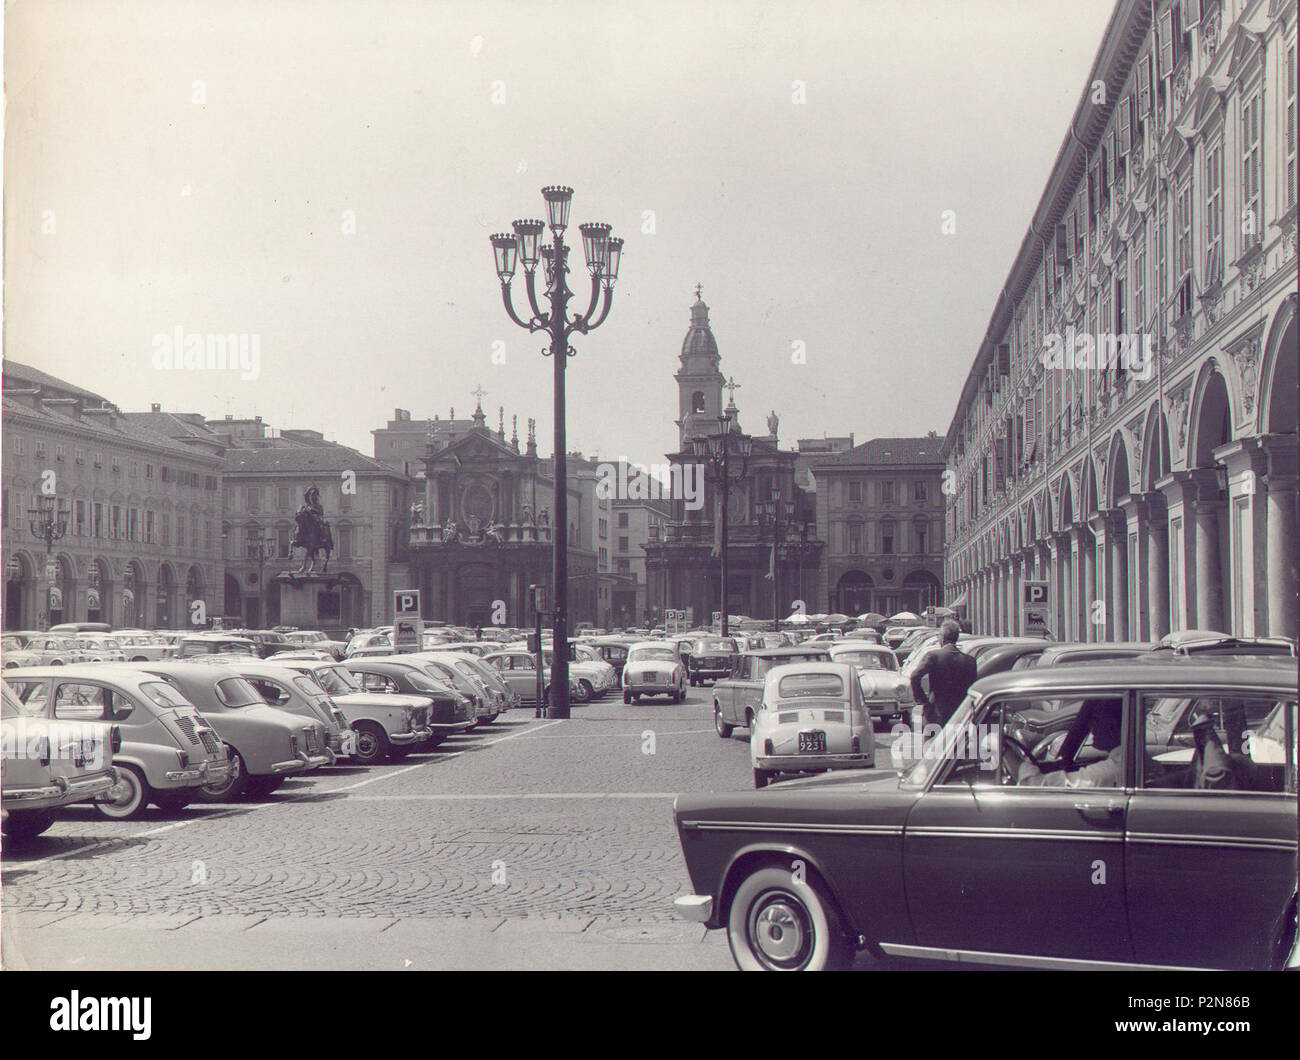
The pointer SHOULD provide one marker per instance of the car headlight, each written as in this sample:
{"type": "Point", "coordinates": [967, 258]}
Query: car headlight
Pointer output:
{"type": "Point", "coordinates": [900, 690]}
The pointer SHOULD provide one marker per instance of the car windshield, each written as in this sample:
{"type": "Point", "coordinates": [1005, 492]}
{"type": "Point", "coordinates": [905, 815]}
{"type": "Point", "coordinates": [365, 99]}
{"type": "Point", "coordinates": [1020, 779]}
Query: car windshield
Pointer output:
{"type": "Point", "coordinates": [30, 706]}
{"type": "Point", "coordinates": [953, 738]}
{"type": "Point", "coordinates": [804, 686]}
{"type": "Point", "coordinates": [867, 660]}
{"type": "Point", "coordinates": [236, 692]}
{"type": "Point", "coordinates": [727, 645]}
{"type": "Point", "coordinates": [652, 655]}
{"type": "Point", "coordinates": [163, 694]}
{"type": "Point", "coordinates": [11, 644]}
{"type": "Point", "coordinates": [423, 682]}
{"type": "Point", "coordinates": [309, 685]}
{"type": "Point", "coordinates": [336, 680]}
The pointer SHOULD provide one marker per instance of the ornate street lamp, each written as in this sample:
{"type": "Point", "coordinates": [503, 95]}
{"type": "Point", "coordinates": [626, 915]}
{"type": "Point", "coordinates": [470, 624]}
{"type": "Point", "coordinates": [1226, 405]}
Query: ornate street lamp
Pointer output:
{"type": "Point", "coordinates": [261, 549]}
{"type": "Point", "coordinates": [603, 253]}
{"type": "Point", "coordinates": [716, 450]}
{"type": "Point", "coordinates": [48, 520]}
{"type": "Point", "coordinates": [777, 514]}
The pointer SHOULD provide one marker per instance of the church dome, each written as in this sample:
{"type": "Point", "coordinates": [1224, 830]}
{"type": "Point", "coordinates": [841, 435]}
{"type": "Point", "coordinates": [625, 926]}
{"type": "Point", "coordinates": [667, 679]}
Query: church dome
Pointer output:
{"type": "Point", "coordinates": [699, 340]}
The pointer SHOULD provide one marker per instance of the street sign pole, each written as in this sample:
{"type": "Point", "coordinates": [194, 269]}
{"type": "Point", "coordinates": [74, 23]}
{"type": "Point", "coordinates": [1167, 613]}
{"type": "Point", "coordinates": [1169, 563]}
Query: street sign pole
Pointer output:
{"type": "Point", "coordinates": [1033, 609]}
{"type": "Point", "coordinates": [537, 595]}
{"type": "Point", "coordinates": [408, 625]}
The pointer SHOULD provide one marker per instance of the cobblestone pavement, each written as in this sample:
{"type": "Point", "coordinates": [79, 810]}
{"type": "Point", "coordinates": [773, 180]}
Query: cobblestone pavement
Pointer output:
{"type": "Point", "coordinates": [566, 823]}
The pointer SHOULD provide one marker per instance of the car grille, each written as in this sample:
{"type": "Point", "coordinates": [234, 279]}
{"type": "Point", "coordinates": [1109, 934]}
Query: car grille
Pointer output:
{"type": "Point", "coordinates": [788, 719]}
{"type": "Point", "coordinates": [312, 739]}
{"type": "Point", "coordinates": [832, 715]}
{"type": "Point", "coordinates": [420, 719]}
{"type": "Point", "coordinates": [186, 724]}
{"type": "Point", "coordinates": [210, 742]}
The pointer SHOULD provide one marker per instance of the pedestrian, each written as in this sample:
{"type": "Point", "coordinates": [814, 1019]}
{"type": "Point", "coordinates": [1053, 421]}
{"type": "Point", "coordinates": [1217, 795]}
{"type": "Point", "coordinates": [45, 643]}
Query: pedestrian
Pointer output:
{"type": "Point", "coordinates": [951, 672]}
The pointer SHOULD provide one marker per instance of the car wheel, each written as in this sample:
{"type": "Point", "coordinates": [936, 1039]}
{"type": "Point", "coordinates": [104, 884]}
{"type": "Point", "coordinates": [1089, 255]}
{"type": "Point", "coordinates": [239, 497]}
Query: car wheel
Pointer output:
{"type": "Point", "coordinates": [721, 727]}
{"type": "Point", "coordinates": [174, 800]}
{"type": "Point", "coordinates": [489, 719]}
{"type": "Point", "coordinates": [760, 777]}
{"type": "Point", "coordinates": [232, 787]}
{"type": "Point", "coordinates": [694, 682]}
{"type": "Point", "coordinates": [584, 692]}
{"type": "Point", "coordinates": [777, 923]}
{"type": "Point", "coordinates": [749, 720]}
{"type": "Point", "coordinates": [372, 742]}
{"type": "Point", "coordinates": [21, 825]}
{"type": "Point", "coordinates": [128, 798]}
{"type": "Point", "coordinates": [627, 696]}
{"type": "Point", "coordinates": [262, 786]}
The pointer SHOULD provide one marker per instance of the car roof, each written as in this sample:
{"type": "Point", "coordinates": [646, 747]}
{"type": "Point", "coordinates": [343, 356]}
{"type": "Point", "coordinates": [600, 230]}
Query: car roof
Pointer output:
{"type": "Point", "coordinates": [81, 671]}
{"type": "Point", "coordinates": [842, 669]}
{"type": "Point", "coordinates": [650, 644]}
{"type": "Point", "coordinates": [779, 653]}
{"type": "Point", "coordinates": [1123, 674]}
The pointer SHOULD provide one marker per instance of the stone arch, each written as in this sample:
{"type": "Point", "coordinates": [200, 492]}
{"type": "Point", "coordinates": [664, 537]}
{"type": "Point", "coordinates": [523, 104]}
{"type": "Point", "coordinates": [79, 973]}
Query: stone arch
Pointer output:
{"type": "Point", "coordinates": [1210, 416]}
{"type": "Point", "coordinates": [1155, 449]}
{"type": "Point", "coordinates": [1066, 506]}
{"type": "Point", "coordinates": [1118, 475]}
{"type": "Point", "coordinates": [1088, 501]}
{"type": "Point", "coordinates": [1277, 374]}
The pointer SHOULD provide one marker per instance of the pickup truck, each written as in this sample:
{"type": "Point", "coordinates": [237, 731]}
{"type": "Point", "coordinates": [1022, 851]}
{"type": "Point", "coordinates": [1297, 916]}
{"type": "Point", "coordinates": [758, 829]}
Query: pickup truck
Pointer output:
{"type": "Point", "coordinates": [736, 698]}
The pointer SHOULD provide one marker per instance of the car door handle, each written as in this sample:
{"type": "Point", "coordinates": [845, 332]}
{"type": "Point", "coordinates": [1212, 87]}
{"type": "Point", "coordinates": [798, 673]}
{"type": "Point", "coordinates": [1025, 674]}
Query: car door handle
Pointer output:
{"type": "Point", "coordinates": [1100, 811]}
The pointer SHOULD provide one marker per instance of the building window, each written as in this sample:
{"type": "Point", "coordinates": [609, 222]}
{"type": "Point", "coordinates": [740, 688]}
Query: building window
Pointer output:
{"type": "Point", "coordinates": [345, 542]}
{"type": "Point", "coordinates": [79, 518]}
{"type": "Point", "coordinates": [148, 527]}
{"type": "Point", "coordinates": [253, 498]}
{"type": "Point", "coordinates": [1251, 167]}
{"type": "Point", "coordinates": [132, 468]}
{"type": "Point", "coordinates": [283, 537]}
{"type": "Point", "coordinates": [1183, 248]}
{"type": "Point", "coordinates": [97, 519]}
{"type": "Point", "coordinates": [1213, 214]}
{"type": "Point", "coordinates": [622, 544]}
{"type": "Point", "coordinates": [1289, 88]}
{"type": "Point", "coordinates": [887, 537]}
{"type": "Point", "coordinates": [40, 449]}
{"type": "Point", "coordinates": [919, 535]}
{"type": "Point", "coordinates": [166, 528]}
{"type": "Point", "coordinates": [282, 500]}
{"type": "Point", "coordinates": [1140, 277]}
{"type": "Point", "coordinates": [918, 491]}
{"type": "Point", "coordinates": [855, 493]}
{"type": "Point", "coordinates": [20, 446]}
{"type": "Point", "coordinates": [115, 522]}
{"type": "Point", "coordinates": [697, 401]}
{"type": "Point", "coordinates": [180, 531]}
{"type": "Point", "coordinates": [887, 492]}
{"type": "Point", "coordinates": [853, 541]}
{"type": "Point", "coordinates": [60, 452]}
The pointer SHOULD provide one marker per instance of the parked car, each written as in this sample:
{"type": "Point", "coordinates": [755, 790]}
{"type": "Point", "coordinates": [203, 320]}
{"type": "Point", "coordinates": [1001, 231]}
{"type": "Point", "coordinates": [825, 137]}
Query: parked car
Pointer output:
{"type": "Point", "coordinates": [886, 695]}
{"type": "Point", "coordinates": [587, 680]}
{"type": "Point", "coordinates": [709, 658]}
{"type": "Point", "coordinates": [653, 668]}
{"type": "Point", "coordinates": [214, 644]}
{"type": "Point", "coordinates": [52, 649]}
{"type": "Point", "coordinates": [1205, 643]}
{"type": "Point", "coordinates": [519, 670]}
{"type": "Point", "coordinates": [264, 745]}
{"type": "Point", "coordinates": [1018, 655]}
{"type": "Point", "coordinates": [976, 855]}
{"type": "Point", "coordinates": [314, 638]}
{"type": "Point", "coordinates": [377, 718]}
{"type": "Point", "coordinates": [812, 718]}
{"type": "Point", "coordinates": [48, 764]}
{"type": "Point", "coordinates": [100, 647]}
{"type": "Point", "coordinates": [737, 698]}
{"type": "Point", "coordinates": [442, 668]}
{"type": "Point", "coordinates": [167, 750]}
{"type": "Point", "coordinates": [443, 712]}
{"type": "Point", "coordinates": [14, 654]}
{"type": "Point", "coordinates": [1054, 654]}
{"type": "Point", "coordinates": [297, 693]}
{"type": "Point", "coordinates": [613, 650]}
{"type": "Point", "coordinates": [266, 642]}
{"type": "Point", "coordinates": [490, 678]}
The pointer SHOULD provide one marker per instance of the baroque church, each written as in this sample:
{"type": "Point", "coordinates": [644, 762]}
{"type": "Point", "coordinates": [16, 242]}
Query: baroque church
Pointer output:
{"type": "Point", "coordinates": [684, 566]}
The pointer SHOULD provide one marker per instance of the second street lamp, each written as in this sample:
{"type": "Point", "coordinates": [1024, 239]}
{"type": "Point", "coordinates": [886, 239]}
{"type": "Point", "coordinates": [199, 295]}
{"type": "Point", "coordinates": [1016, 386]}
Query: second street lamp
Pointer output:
{"type": "Point", "coordinates": [603, 253]}
{"type": "Point", "coordinates": [716, 450]}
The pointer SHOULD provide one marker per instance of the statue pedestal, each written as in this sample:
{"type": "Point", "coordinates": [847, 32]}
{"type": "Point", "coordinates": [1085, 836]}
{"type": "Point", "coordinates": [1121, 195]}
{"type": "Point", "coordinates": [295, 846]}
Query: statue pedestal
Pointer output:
{"type": "Point", "coordinates": [300, 598]}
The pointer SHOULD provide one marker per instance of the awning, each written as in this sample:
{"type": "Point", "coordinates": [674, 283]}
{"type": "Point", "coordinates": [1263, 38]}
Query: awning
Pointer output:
{"type": "Point", "coordinates": [959, 602]}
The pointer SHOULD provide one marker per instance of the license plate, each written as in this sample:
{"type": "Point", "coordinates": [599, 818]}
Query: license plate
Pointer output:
{"type": "Point", "coordinates": [647, 677]}
{"type": "Point", "coordinates": [812, 743]}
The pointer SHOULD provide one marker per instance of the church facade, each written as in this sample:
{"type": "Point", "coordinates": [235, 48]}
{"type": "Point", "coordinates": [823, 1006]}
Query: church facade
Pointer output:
{"type": "Point", "coordinates": [482, 535]}
{"type": "Point", "coordinates": [684, 565]}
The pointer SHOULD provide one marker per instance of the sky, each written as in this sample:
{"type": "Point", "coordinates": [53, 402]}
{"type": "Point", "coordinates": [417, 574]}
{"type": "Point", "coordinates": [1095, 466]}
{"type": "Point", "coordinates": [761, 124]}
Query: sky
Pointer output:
{"type": "Point", "coordinates": [322, 177]}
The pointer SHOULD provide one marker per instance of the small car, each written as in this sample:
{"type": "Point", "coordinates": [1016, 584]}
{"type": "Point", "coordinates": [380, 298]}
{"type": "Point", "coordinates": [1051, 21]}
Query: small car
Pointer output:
{"type": "Point", "coordinates": [49, 764]}
{"type": "Point", "coordinates": [101, 647]}
{"type": "Point", "coordinates": [167, 750]}
{"type": "Point", "coordinates": [736, 699]}
{"type": "Point", "coordinates": [812, 719]}
{"type": "Point", "coordinates": [140, 645]}
{"type": "Point", "coordinates": [988, 851]}
{"type": "Point", "coordinates": [214, 644]}
{"type": "Point", "coordinates": [442, 668]}
{"type": "Point", "coordinates": [653, 669]}
{"type": "Point", "coordinates": [14, 654]}
{"type": "Point", "coordinates": [52, 649]}
{"type": "Point", "coordinates": [886, 695]}
{"type": "Point", "coordinates": [443, 711]}
{"type": "Point", "coordinates": [297, 693]}
{"type": "Point", "coordinates": [370, 643]}
{"type": "Point", "coordinates": [518, 669]}
{"type": "Point", "coordinates": [489, 675]}
{"type": "Point", "coordinates": [264, 745]}
{"type": "Point", "coordinates": [314, 638]}
{"type": "Point", "coordinates": [709, 658]}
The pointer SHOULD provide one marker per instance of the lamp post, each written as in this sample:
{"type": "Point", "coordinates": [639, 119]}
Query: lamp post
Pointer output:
{"type": "Point", "coordinates": [48, 520]}
{"type": "Point", "coordinates": [603, 253]}
{"type": "Point", "coordinates": [716, 450]}
{"type": "Point", "coordinates": [260, 549]}
{"type": "Point", "coordinates": [774, 513]}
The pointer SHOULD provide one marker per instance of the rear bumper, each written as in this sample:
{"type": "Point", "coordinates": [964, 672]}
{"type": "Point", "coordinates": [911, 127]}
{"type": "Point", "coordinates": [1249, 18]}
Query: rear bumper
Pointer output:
{"type": "Point", "coordinates": [796, 763]}
{"type": "Point", "coordinates": [452, 726]}
{"type": "Point", "coordinates": [302, 763]}
{"type": "Point", "coordinates": [60, 792]}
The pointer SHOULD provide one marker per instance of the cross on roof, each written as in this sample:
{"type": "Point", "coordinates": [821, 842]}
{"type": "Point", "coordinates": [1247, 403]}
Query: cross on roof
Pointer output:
{"type": "Point", "coordinates": [698, 289]}
{"type": "Point", "coordinates": [731, 386]}
{"type": "Point", "coordinates": [479, 393]}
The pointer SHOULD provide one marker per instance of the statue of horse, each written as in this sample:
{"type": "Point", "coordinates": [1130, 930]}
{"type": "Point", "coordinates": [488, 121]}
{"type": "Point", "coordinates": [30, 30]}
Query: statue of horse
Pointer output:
{"type": "Point", "coordinates": [312, 533]}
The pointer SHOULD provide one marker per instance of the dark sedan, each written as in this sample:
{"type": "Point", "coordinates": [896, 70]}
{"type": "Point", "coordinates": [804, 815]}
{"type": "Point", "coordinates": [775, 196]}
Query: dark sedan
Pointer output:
{"type": "Point", "coordinates": [1181, 801]}
{"type": "Point", "coordinates": [708, 658]}
{"type": "Point", "coordinates": [449, 711]}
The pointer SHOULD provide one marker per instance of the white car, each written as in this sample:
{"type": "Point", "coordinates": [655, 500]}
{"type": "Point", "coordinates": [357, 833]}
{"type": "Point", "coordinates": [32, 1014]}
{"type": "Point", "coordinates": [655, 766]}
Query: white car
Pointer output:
{"type": "Point", "coordinates": [653, 669]}
{"type": "Point", "coordinates": [884, 691]}
{"type": "Point", "coordinates": [812, 718]}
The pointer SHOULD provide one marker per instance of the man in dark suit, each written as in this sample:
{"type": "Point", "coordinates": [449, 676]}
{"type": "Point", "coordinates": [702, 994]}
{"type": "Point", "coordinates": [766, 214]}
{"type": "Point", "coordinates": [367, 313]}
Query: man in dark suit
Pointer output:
{"type": "Point", "coordinates": [951, 672]}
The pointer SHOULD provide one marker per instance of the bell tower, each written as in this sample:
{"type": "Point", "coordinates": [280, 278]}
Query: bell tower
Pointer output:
{"type": "Point", "coordinates": [699, 378]}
